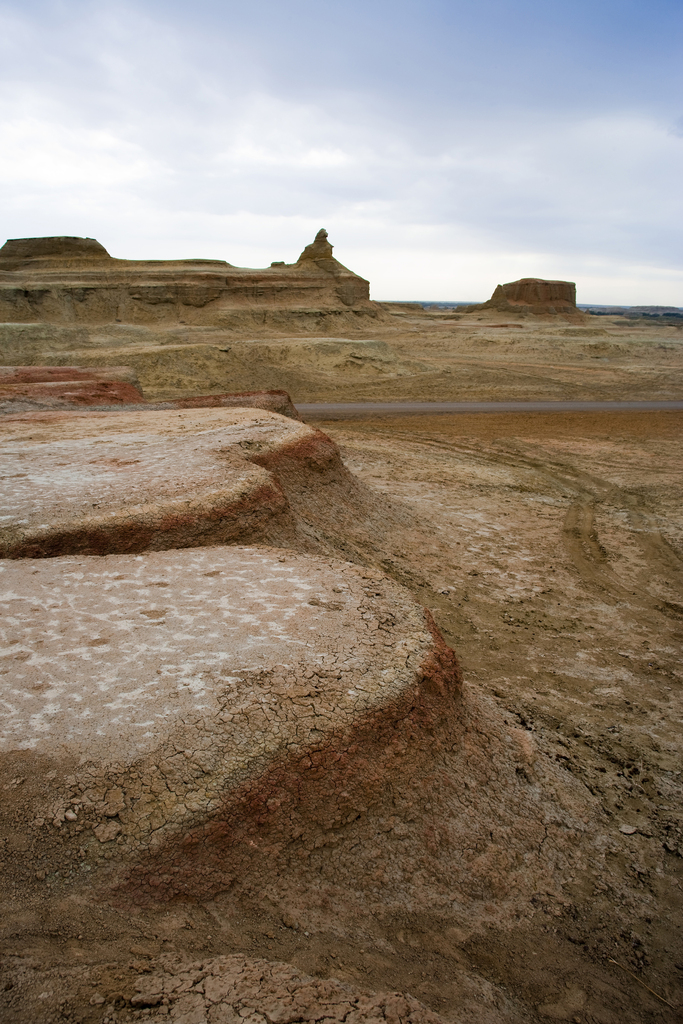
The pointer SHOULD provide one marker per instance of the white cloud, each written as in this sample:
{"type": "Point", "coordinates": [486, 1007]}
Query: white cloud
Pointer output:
{"type": "Point", "coordinates": [126, 131]}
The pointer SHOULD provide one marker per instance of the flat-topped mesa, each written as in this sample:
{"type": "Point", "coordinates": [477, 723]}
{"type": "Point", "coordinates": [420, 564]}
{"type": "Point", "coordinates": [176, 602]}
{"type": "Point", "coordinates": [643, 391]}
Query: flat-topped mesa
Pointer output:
{"type": "Point", "coordinates": [533, 292]}
{"type": "Point", "coordinates": [55, 247]}
{"type": "Point", "coordinates": [70, 280]}
{"type": "Point", "coordinates": [532, 295]}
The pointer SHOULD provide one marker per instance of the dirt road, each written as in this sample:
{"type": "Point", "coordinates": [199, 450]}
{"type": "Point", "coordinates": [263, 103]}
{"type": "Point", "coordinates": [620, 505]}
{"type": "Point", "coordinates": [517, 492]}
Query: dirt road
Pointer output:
{"type": "Point", "coordinates": [348, 410]}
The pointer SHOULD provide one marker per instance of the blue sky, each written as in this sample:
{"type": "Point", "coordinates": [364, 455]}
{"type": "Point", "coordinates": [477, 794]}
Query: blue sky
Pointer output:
{"type": "Point", "coordinates": [446, 147]}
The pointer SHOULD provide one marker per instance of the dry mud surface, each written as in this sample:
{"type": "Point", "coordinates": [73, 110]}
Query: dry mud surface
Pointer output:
{"type": "Point", "coordinates": [222, 990]}
{"type": "Point", "coordinates": [510, 850]}
{"type": "Point", "coordinates": [103, 483]}
{"type": "Point", "coordinates": [549, 551]}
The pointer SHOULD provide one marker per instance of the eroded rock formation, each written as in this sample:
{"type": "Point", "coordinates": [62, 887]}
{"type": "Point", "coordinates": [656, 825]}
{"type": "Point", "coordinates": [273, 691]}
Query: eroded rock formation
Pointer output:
{"type": "Point", "coordinates": [198, 721]}
{"type": "Point", "coordinates": [75, 281]}
{"type": "Point", "coordinates": [194, 726]}
{"type": "Point", "coordinates": [531, 295]}
{"type": "Point", "coordinates": [319, 249]}
{"type": "Point", "coordinates": [67, 395]}
{"type": "Point", "coordinates": [144, 480]}
{"type": "Point", "coordinates": [28, 389]}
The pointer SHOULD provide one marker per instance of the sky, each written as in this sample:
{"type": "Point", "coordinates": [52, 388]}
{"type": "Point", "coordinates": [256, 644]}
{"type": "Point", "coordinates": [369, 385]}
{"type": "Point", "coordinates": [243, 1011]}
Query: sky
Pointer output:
{"type": "Point", "coordinates": [445, 146]}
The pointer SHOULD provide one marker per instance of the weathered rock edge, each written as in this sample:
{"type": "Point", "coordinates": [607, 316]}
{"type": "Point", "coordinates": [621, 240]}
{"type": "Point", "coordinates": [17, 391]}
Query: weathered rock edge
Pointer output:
{"type": "Point", "coordinates": [531, 296]}
{"type": "Point", "coordinates": [67, 395]}
{"type": "Point", "coordinates": [30, 389]}
{"type": "Point", "coordinates": [72, 280]}
{"type": "Point", "coordinates": [305, 799]}
{"type": "Point", "coordinates": [270, 762]}
{"type": "Point", "coordinates": [256, 509]}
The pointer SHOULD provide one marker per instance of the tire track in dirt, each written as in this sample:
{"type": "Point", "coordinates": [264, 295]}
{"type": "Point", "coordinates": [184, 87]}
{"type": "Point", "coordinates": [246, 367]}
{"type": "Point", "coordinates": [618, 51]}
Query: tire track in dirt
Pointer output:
{"type": "Point", "coordinates": [555, 582]}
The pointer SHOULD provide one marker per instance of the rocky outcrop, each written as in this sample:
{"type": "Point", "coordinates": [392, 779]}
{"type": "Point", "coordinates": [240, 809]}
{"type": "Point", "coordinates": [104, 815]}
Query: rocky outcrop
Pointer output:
{"type": "Point", "coordinates": [183, 724]}
{"type": "Point", "coordinates": [62, 247]}
{"type": "Point", "coordinates": [531, 295]}
{"type": "Point", "coordinates": [27, 389]}
{"type": "Point", "coordinates": [145, 480]}
{"type": "Point", "coordinates": [319, 249]}
{"type": "Point", "coordinates": [16, 398]}
{"type": "Point", "coordinates": [31, 388]}
{"type": "Point", "coordinates": [290, 682]}
{"type": "Point", "coordinates": [75, 281]}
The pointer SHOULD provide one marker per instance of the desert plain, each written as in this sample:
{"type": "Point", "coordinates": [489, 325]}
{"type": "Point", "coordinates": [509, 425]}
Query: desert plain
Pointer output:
{"type": "Point", "coordinates": [367, 828]}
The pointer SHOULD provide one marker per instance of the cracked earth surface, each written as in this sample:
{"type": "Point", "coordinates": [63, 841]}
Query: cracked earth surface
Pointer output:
{"type": "Point", "coordinates": [517, 853]}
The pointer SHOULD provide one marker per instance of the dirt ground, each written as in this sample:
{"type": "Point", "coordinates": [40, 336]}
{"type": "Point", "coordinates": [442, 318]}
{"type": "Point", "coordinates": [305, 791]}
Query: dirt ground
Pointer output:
{"type": "Point", "coordinates": [549, 552]}
{"type": "Point", "coordinates": [431, 356]}
{"type": "Point", "coordinates": [434, 357]}
{"type": "Point", "coordinates": [548, 549]}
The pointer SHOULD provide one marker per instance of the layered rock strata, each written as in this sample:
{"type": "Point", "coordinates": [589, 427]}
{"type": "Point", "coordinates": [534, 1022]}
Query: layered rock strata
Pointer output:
{"type": "Point", "coordinates": [100, 483]}
{"type": "Point", "coordinates": [67, 395]}
{"type": "Point", "coordinates": [196, 360]}
{"type": "Point", "coordinates": [214, 723]}
{"type": "Point", "coordinates": [76, 281]}
{"type": "Point", "coordinates": [34, 388]}
{"type": "Point", "coordinates": [15, 375]}
{"type": "Point", "coordinates": [531, 295]}
{"type": "Point", "coordinates": [183, 711]}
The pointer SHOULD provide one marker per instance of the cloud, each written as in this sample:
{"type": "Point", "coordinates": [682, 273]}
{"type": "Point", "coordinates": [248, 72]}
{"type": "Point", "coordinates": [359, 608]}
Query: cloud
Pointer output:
{"type": "Point", "coordinates": [167, 137]}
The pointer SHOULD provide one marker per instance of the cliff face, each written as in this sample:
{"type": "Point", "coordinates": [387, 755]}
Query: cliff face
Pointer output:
{"type": "Point", "coordinates": [69, 280]}
{"type": "Point", "coordinates": [532, 292]}
{"type": "Point", "coordinates": [532, 295]}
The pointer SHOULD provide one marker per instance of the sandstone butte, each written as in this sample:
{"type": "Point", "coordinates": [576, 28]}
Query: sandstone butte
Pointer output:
{"type": "Point", "coordinates": [69, 280]}
{"type": "Point", "coordinates": [531, 295]}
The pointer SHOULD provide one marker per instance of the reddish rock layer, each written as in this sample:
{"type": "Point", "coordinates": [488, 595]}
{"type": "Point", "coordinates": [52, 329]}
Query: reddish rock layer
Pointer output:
{"type": "Point", "coordinates": [31, 389]}
{"type": "Point", "coordinates": [56, 374]}
{"type": "Point", "coordinates": [304, 800]}
{"type": "Point", "coordinates": [67, 394]}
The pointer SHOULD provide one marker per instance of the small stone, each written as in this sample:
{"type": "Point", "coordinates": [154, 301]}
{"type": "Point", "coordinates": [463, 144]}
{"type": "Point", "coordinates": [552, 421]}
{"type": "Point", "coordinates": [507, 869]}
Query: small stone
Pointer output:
{"type": "Point", "coordinates": [113, 802]}
{"type": "Point", "coordinates": [96, 1000]}
{"type": "Point", "coordinates": [628, 830]}
{"type": "Point", "coordinates": [107, 831]}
